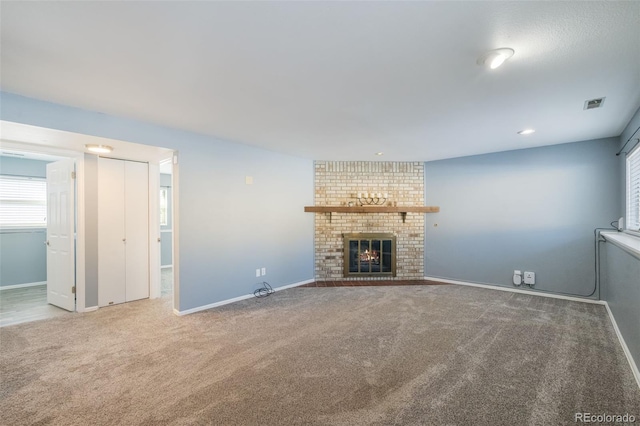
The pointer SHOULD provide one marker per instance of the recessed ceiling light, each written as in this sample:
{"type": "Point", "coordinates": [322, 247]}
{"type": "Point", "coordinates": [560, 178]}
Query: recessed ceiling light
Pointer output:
{"type": "Point", "coordinates": [99, 149]}
{"type": "Point", "coordinates": [494, 58]}
{"type": "Point", "coordinates": [379, 153]}
{"type": "Point", "coordinates": [526, 132]}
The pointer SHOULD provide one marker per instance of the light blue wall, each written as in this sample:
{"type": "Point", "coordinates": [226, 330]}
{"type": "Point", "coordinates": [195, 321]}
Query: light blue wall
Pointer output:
{"type": "Point", "coordinates": [227, 228]}
{"type": "Point", "coordinates": [620, 271]}
{"type": "Point", "coordinates": [531, 209]}
{"type": "Point", "coordinates": [233, 228]}
{"type": "Point", "coordinates": [23, 256]}
{"type": "Point", "coordinates": [620, 278]}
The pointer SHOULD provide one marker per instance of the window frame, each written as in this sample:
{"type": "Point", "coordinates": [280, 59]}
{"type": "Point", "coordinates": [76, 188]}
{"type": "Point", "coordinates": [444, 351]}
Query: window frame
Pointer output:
{"type": "Point", "coordinates": [632, 156]}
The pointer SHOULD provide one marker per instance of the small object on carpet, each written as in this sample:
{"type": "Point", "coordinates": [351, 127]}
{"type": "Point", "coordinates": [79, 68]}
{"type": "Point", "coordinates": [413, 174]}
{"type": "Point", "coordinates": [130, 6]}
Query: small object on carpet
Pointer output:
{"type": "Point", "coordinates": [264, 291]}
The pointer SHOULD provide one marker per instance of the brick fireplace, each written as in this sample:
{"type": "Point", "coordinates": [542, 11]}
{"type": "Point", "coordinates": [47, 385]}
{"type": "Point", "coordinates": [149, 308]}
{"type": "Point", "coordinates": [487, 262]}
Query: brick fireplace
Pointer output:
{"type": "Point", "coordinates": [337, 184]}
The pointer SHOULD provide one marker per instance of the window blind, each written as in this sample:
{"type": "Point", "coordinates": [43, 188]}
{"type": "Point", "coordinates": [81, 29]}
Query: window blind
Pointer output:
{"type": "Point", "coordinates": [23, 202]}
{"type": "Point", "coordinates": [633, 190]}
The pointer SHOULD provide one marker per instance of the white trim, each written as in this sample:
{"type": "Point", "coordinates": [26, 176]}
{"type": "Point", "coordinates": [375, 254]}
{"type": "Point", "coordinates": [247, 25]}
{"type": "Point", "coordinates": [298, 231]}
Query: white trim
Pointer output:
{"type": "Point", "coordinates": [625, 348]}
{"type": "Point", "coordinates": [175, 236]}
{"type": "Point", "coordinates": [90, 309]}
{"type": "Point", "coordinates": [624, 240]}
{"type": "Point", "coordinates": [80, 234]}
{"type": "Point", "coordinates": [166, 266]}
{"type": "Point", "coordinates": [11, 287]}
{"type": "Point", "coordinates": [518, 290]}
{"type": "Point", "coordinates": [154, 231]}
{"type": "Point", "coordinates": [235, 299]}
{"type": "Point", "coordinates": [22, 228]}
{"type": "Point", "coordinates": [212, 305]}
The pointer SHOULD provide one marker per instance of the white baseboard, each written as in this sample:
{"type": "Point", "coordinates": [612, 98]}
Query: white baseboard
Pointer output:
{"type": "Point", "coordinates": [90, 309]}
{"type": "Point", "coordinates": [518, 290]}
{"type": "Point", "coordinates": [11, 287]}
{"type": "Point", "coordinates": [211, 305]}
{"type": "Point", "coordinates": [625, 348]}
{"type": "Point", "coordinates": [235, 299]}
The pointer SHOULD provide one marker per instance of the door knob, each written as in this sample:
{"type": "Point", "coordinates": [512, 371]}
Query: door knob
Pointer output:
{"type": "Point", "coordinates": [47, 242]}
{"type": "Point", "coordinates": [124, 240]}
{"type": "Point", "coordinates": [159, 239]}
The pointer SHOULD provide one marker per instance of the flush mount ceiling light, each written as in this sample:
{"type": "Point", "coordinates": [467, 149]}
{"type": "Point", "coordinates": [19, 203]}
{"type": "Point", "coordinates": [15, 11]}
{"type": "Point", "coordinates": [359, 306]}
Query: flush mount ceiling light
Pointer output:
{"type": "Point", "coordinates": [494, 58]}
{"type": "Point", "coordinates": [99, 149]}
{"type": "Point", "coordinates": [526, 132]}
{"type": "Point", "coordinates": [379, 153]}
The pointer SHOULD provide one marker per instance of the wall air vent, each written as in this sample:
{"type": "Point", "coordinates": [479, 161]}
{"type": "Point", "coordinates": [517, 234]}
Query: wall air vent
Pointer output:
{"type": "Point", "coordinates": [594, 103]}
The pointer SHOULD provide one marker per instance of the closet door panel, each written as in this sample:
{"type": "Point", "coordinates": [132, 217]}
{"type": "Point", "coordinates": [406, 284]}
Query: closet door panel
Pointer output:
{"type": "Point", "coordinates": [136, 201]}
{"type": "Point", "coordinates": [111, 232]}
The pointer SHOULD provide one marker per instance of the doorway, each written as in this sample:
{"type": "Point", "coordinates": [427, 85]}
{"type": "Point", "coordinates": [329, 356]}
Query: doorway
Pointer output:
{"type": "Point", "coordinates": [37, 263]}
{"type": "Point", "coordinates": [58, 143]}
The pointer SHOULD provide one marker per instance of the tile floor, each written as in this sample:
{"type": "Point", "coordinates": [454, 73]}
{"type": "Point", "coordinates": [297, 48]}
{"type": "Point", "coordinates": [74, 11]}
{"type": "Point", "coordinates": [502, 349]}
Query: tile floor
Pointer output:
{"type": "Point", "coordinates": [26, 304]}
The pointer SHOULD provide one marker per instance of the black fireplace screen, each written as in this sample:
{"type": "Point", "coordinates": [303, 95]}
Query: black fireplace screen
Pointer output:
{"type": "Point", "coordinates": [369, 255]}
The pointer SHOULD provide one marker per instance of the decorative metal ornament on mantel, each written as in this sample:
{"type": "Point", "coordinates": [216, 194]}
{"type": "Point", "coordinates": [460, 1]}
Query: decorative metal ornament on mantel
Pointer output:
{"type": "Point", "coordinates": [372, 199]}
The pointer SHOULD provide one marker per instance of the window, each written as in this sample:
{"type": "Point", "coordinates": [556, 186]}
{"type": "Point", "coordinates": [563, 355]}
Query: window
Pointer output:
{"type": "Point", "coordinates": [164, 213]}
{"type": "Point", "coordinates": [633, 190]}
{"type": "Point", "coordinates": [23, 202]}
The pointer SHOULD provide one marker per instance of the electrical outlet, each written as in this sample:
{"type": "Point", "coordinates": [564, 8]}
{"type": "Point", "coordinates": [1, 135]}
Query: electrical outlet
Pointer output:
{"type": "Point", "coordinates": [529, 278]}
{"type": "Point", "coordinates": [264, 271]}
{"type": "Point", "coordinates": [258, 272]}
{"type": "Point", "coordinates": [517, 277]}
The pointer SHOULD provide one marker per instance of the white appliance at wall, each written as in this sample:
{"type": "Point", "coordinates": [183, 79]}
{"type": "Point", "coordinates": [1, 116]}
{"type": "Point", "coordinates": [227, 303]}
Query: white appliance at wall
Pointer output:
{"type": "Point", "coordinates": [123, 231]}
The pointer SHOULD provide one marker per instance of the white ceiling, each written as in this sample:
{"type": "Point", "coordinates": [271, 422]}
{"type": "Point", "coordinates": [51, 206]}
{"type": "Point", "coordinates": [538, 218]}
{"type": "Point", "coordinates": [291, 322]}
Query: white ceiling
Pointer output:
{"type": "Point", "coordinates": [336, 80]}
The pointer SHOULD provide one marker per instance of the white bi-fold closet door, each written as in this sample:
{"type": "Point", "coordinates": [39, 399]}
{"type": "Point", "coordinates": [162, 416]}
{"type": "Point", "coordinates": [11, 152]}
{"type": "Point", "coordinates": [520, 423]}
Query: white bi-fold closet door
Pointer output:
{"type": "Point", "coordinates": [123, 231]}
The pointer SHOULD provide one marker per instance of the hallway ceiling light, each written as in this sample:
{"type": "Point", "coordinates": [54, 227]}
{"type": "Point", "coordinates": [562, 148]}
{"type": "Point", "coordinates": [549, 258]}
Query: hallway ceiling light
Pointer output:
{"type": "Point", "coordinates": [494, 58]}
{"type": "Point", "coordinates": [99, 149]}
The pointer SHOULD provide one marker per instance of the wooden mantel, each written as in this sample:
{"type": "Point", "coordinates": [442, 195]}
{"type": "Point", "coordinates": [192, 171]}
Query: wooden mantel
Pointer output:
{"type": "Point", "coordinates": [403, 210]}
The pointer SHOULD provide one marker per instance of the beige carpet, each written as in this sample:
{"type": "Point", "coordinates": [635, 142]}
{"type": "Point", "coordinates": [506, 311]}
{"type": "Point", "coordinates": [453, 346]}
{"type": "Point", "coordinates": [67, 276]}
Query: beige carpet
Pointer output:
{"type": "Point", "coordinates": [428, 355]}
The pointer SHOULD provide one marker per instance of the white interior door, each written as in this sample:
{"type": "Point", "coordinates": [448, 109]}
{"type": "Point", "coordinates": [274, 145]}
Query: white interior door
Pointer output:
{"type": "Point", "coordinates": [111, 232]}
{"type": "Point", "coordinates": [60, 234]}
{"type": "Point", "coordinates": [136, 202]}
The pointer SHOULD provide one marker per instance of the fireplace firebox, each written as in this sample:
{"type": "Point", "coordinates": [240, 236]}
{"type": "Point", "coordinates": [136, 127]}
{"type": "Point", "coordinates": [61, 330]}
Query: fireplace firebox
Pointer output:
{"type": "Point", "coordinates": [369, 255]}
